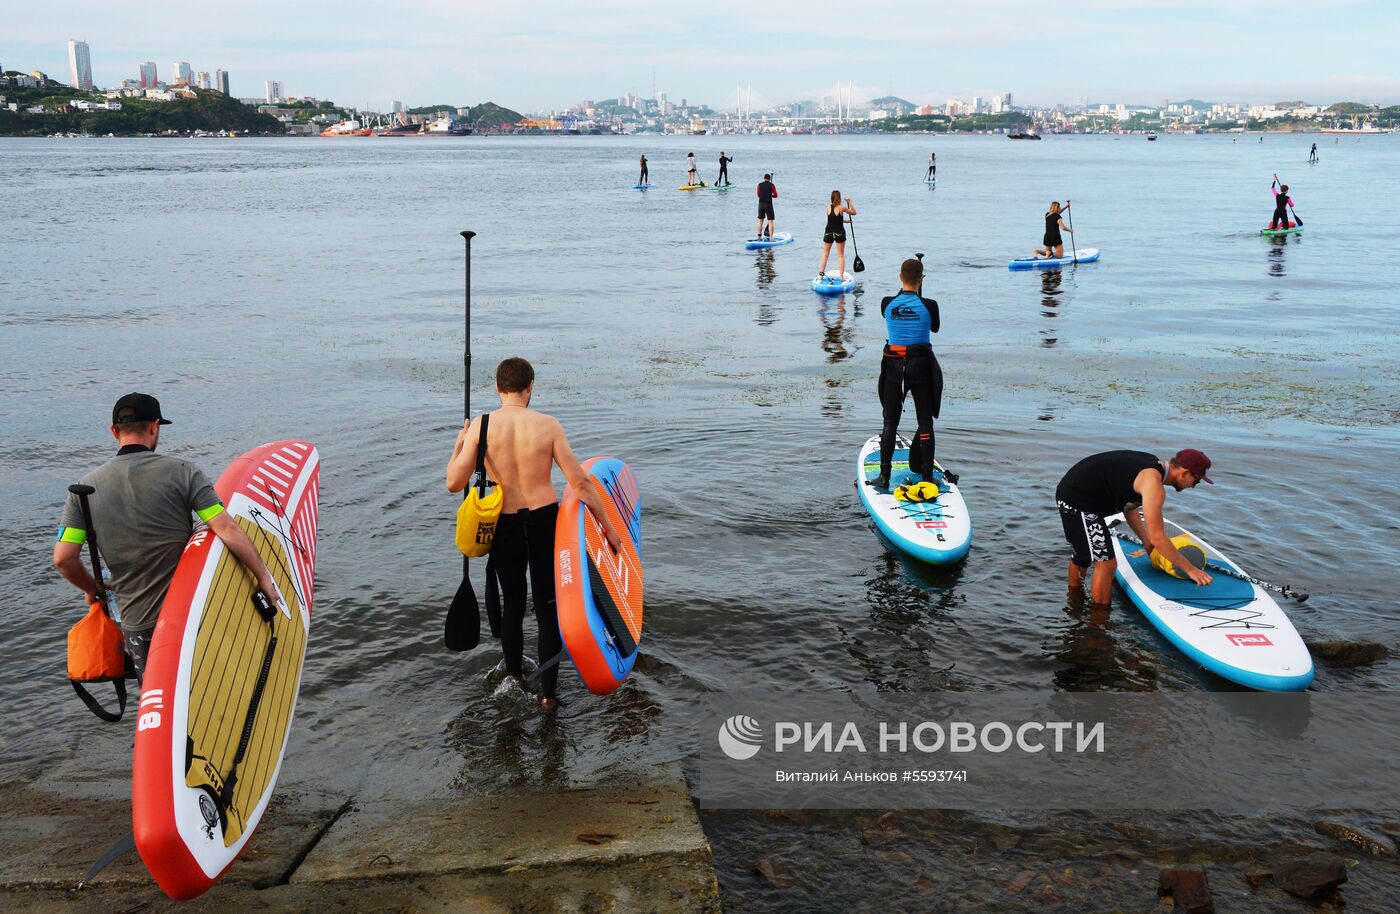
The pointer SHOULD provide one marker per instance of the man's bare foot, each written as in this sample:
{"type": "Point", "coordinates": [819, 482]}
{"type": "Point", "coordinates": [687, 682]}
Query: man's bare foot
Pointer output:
{"type": "Point", "coordinates": [549, 704]}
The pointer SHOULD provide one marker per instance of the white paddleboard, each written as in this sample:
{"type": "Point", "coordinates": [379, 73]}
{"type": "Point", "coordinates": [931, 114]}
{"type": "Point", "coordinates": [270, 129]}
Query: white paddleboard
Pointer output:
{"type": "Point", "coordinates": [1231, 627]}
{"type": "Point", "coordinates": [831, 285]}
{"type": "Point", "coordinates": [1083, 255]}
{"type": "Point", "coordinates": [937, 531]}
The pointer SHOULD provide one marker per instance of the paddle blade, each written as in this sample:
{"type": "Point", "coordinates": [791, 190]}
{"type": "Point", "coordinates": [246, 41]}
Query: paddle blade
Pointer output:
{"type": "Point", "coordinates": [462, 630]}
{"type": "Point", "coordinates": [858, 266]}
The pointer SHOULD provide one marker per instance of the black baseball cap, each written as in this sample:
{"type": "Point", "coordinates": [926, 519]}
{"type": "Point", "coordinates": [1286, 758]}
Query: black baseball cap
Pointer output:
{"type": "Point", "coordinates": [137, 408]}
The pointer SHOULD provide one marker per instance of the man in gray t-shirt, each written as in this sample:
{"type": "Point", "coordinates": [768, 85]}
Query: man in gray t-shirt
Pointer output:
{"type": "Point", "coordinates": [144, 508]}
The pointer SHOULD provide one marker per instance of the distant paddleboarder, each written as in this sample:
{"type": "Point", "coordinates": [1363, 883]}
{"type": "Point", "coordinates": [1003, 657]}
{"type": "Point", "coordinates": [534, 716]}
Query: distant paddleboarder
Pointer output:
{"type": "Point", "coordinates": [932, 166]}
{"type": "Point", "coordinates": [645, 174]}
{"type": "Point", "coordinates": [522, 446]}
{"type": "Point", "coordinates": [837, 215]}
{"type": "Point", "coordinates": [1133, 482]}
{"type": "Point", "coordinates": [724, 161]}
{"type": "Point", "coordinates": [767, 192]}
{"type": "Point", "coordinates": [1054, 243]}
{"type": "Point", "coordinates": [909, 367]}
{"type": "Point", "coordinates": [1281, 204]}
{"type": "Point", "coordinates": [692, 177]}
{"type": "Point", "coordinates": [1312, 156]}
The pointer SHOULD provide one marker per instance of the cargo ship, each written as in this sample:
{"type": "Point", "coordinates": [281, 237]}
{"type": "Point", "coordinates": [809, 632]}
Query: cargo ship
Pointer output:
{"type": "Point", "coordinates": [346, 128]}
{"type": "Point", "coordinates": [400, 130]}
{"type": "Point", "coordinates": [446, 126]}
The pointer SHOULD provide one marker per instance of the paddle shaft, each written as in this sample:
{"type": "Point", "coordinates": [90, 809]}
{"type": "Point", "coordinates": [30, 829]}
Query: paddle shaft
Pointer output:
{"type": "Point", "coordinates": [1290, 204]}
{"type": "Point", "coordinates": [1284, 589]}
{"type": "Point", "coordinates": [1073, 250]}
{"type": "Point", "coordinates": [467, 359]}
{"type": "Point", "coordinates": [83, 491]}
{"type": "Point", "coordinates": [856, 265]}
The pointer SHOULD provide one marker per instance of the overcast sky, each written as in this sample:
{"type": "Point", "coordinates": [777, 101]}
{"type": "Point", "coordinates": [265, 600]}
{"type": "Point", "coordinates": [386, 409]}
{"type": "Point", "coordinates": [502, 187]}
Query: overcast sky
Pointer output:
{"type": "Point", "coordinates": [535, 55]}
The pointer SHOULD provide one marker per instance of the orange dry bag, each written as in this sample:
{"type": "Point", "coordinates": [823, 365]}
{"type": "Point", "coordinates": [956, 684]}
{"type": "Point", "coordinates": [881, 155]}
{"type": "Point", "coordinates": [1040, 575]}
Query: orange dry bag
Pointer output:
{"type": "Point", "coordinates": [96, 654]}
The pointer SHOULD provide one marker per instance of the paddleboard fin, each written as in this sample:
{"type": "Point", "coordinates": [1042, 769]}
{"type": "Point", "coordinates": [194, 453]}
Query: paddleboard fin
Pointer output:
{"type": "Point", "coordinates": [125, 845]}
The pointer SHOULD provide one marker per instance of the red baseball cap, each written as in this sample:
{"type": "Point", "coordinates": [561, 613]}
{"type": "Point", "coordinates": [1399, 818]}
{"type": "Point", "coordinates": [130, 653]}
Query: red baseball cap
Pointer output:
{"type": "Point", "coordinates": [1195, 461]}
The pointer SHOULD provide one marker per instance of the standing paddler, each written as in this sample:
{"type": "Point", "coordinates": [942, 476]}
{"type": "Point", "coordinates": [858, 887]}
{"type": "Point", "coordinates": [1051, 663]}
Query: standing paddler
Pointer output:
{"type": "Point", "coordinates": [907, 367]}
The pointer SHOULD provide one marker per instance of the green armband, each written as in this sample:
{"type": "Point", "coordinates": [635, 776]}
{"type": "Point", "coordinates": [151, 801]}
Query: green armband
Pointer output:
{"type": "Point", "coordinates": [72, 535]}
{"type": "Point", "coordinates": [210, 512]}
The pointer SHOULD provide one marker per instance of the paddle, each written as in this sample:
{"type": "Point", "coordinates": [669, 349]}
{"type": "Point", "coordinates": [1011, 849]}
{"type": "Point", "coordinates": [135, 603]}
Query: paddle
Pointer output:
{"type": "Point", "coordinates": [1073, 251]}
{"type": "Point", "coordinates": [858, 265]}
{"type": "Point", "coordinates": [462, 629]}
{"type": "Point", "coordinates": [1297, 220]}
{"type": "Point", "coordinates": [1283, 589]}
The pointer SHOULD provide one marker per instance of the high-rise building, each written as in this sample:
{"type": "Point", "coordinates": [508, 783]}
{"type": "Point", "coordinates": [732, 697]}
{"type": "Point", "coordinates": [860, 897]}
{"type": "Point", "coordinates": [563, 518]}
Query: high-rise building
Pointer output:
{"type": "Point", "coordinates": [80, 64]}
{"type": "Point", "coordinates": [1006, 101]}
{"type": "Point", "coordinates": [181, 73]}
{"type": "Point", "coordinates": [148, 75]}
{"type": "Point", "coordinates": [978, 103]}
{"type": "Point", "coordinates": [221, 81]}
{"type": "Point", "coordinates": [396, 107]}
{"type": "Point", "coordinates": [273, 91]}
{"type": "Point", "coordinates": [201, 79]}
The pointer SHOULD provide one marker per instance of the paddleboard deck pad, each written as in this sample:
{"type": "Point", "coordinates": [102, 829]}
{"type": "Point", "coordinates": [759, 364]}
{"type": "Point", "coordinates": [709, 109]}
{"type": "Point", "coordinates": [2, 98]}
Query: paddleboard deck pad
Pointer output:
{"type": "Point", "coordinates": [1293, 229]}
{"type": "Point", "coordinates": [221, 680]}
{"type": "Point", "coordinates": [598, 591]}
{"type": "Point", "coordinates": [1231, 627]}
{"type": "Point", "coordinates": [830, 285]}
{"type": "Point", "coordinates": [937, 531]}
{"type": "Point", "coordinates": [781, 238]}
{"type": "Point", "coordinates": [1087, 255]}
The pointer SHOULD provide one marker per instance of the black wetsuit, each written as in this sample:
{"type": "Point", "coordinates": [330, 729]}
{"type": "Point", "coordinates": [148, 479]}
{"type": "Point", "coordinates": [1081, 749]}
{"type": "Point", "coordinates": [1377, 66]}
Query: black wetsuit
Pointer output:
{"type": "Point", "coordinates": [644, 176]}
{"type": "Point", "coordinates": [1093, 488]}
{"type": "Point", "coordinates": [835, 227]}
{"type": "Point", "coordinates": [909, 367]}
{"type": "Point", "coordinates": [524, 541]}
{"type": "Point", "coordinates": [1281, 203]}
{"type": "Point", "coordinates": [766, 193]}
{"type": "Point", "coordinates": [1052, 230]}
{"type": "Point", "coordinates": [723, 170]}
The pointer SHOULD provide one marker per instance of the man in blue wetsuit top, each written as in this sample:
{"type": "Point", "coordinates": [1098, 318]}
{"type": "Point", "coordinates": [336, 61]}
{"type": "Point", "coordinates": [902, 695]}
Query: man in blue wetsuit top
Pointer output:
{"type": "Point", "coordinates": [909, 367]}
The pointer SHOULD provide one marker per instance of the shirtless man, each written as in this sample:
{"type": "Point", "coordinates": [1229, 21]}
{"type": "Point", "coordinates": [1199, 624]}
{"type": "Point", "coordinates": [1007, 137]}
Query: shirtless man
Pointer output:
{"type": "Point", "coordinates": [522, 446]}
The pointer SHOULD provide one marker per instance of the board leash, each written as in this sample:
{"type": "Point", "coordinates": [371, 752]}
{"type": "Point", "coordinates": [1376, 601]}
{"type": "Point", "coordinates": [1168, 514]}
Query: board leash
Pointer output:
{"type": "Point", "coordinates": [1283, 589]}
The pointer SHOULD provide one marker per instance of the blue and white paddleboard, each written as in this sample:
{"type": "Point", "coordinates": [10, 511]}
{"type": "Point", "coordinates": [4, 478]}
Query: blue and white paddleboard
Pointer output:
{"type": "Point", "coordinates": [1085, 255]}
{"type": "Point", "coordinates": [937, 531]}
{"type": "Point", "coordinates": [641, 186]}
{"type": "Point", "coordinates": [930, 181]}
{"type": "Point", "coordinates": [830, 285]}
{"type": "Point", "coordinates": [1231, 627]}
{"type": "Point", "coordinates": [781, 238]}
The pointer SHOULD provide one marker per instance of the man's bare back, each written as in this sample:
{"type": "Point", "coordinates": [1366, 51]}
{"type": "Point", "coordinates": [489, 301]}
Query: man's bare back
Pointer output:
{"type": "Point", "coordinates": [522, 446]}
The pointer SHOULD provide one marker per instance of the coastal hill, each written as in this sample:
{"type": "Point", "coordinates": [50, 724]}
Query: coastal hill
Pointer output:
{"type": "Point", "coordinates": [208, 111]}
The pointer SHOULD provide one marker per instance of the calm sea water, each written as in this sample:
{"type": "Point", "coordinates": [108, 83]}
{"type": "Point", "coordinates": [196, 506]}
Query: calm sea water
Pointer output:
{"type": "Point", "coordinates": [310, 288]}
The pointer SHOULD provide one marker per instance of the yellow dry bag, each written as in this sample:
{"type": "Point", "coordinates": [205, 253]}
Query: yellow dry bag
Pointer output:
{"type": "Point", "coordinates": [916, 492]}
{"type": "Point", "coordinates": [476, 519]}
{"type": "Point", "coordinates": [1189, 549]}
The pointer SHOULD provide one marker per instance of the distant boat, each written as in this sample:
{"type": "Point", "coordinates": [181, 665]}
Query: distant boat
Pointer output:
{"type": "Point", "coordinates": [1367, 129]}
{"type": "Point", "coordinates": [400, 130]}
{"type": "Point", "coordinates": [346, 128]}
{"type": "Point", "coordinates": [446, 126]}
{"type": "Point", "coordinates": [1023, 136]}
{"type": "Point", "coordinates": [1151, 136]}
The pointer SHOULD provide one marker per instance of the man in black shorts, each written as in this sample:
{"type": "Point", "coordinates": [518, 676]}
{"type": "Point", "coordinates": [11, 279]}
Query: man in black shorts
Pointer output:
{"type": "Point", "coordinates": [1105, 484]}
{"type": "Point", "coordinates": [767, 191]}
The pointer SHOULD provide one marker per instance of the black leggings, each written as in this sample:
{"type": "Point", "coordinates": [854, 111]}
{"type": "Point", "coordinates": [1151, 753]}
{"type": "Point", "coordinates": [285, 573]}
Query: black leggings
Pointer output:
{"type": "Point", "coordinates": [723, 175]}
{"type": "Point", "coordinates": [644, 175]}
{"type": "Point", "coordinates": [917, 373]}
{"type": "Point", "coordinates": [1280, 219]}
{"type": "Point", "coordinates": [525, 540]}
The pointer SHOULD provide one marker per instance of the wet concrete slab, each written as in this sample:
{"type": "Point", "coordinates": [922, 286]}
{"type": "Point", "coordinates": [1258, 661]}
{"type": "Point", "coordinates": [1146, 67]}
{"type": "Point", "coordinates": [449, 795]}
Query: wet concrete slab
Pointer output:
{"type": "Point", "coordinates": [625, 847]}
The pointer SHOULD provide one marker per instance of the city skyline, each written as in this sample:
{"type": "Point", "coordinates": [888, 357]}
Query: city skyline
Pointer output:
{"type": "Point", "coordinates": [1134, 51]}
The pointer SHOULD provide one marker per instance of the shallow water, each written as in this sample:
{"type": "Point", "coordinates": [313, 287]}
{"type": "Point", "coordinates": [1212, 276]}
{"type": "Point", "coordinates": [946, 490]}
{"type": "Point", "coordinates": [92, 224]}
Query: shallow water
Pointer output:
{"type": "Point", "coordinates": [310, 288]}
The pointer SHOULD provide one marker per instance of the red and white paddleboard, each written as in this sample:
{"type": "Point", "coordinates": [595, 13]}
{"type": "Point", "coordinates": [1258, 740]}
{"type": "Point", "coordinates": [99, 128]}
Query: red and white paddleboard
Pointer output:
{"type": "Point", "coordinates": [221, 681]}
